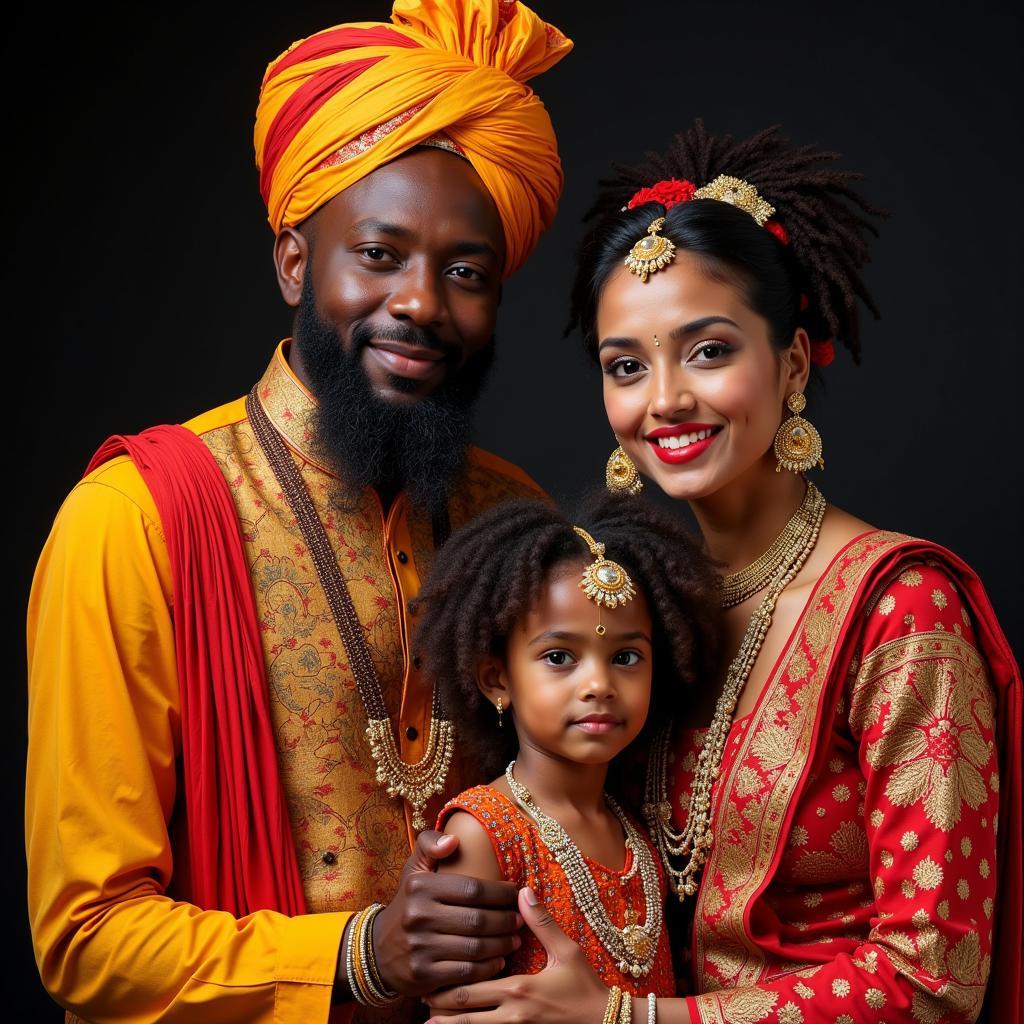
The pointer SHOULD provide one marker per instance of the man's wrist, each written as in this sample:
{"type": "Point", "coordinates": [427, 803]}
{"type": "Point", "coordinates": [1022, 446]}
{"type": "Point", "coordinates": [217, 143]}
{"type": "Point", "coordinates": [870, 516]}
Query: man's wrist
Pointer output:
{"type": "Point", "coordinates": [356, 976]}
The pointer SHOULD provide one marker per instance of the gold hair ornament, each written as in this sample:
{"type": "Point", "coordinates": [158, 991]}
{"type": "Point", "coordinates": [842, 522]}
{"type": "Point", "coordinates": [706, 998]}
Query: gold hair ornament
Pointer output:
{"type": "Point", "coordinates": [739, 193]}
{"type": "Point", "coordinates": [652, 253]}
{"type": "Point", "coordinates": [604, 582]}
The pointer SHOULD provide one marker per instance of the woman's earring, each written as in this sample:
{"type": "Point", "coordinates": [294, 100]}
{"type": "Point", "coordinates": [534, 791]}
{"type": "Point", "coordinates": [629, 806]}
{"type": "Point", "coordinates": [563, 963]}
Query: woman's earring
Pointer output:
{"type": "Point", "coordinates": [501, 710]}
{"type": "Point", "coordinates": [620, 475]}
{"type": "Point", "coordinates": [797, 444]}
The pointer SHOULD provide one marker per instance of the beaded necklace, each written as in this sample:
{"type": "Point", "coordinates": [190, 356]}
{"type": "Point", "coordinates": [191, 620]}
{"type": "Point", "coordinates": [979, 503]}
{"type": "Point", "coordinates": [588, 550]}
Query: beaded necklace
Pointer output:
{"type": "Point", "coordinates": [635, 945]}
{"type": "Point", "coordinates": [696, 838]}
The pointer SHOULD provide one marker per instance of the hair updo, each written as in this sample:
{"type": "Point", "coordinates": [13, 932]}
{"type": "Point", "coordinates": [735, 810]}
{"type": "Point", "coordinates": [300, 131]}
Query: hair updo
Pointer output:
{"type": "Point", "coordinates": [813, 281]}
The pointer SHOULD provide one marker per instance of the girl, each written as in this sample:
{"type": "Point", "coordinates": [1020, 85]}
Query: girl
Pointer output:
{"type": "Point", "coordinates": [843, 816]}
{"type": "Point", "coordinates": [551, 641]}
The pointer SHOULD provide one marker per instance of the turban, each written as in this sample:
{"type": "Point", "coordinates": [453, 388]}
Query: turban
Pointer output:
{"type": "Point", "coordinates": [338, 105]}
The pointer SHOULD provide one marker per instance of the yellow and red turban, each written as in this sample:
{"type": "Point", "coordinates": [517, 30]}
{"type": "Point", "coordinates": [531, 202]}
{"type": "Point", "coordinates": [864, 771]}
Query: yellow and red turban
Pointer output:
{"type": "Point", "coordinates": [338, 105]}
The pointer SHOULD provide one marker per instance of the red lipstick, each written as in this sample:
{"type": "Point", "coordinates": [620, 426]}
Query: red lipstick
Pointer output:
{"type": "Point", "coordinates": [682, 442]}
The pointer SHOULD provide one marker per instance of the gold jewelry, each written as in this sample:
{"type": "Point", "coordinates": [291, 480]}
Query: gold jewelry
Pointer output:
{"type": "Point", "coordinates": [657, 344]}
{"type": "Point", "coordinates": [652, 253]}
{"type": "Point", "coordinates": [361, 963]}
{"type": "Point", "coordinates": [697, 835]}
{"type": "Point", "coordinates": [738, 586]}
{"type": "Point", "coordinates": [604, 582]}
{"type": "Point", "coordinates": [633, 946]}
{"type": "Point", "coordinates": [611, 1010]}
{"type": "Point", "coordinates": [418, 782]}
{"type": "Point", "coordinates": [797, 443]}
{"type": "Point", "coordinates": [652, 1008]}
{"type": "Point", "coordinates": [620, 475]}
{"type": "Point", "coordinates": [626, 1009]}
{"type": "Point", "coordinates": [739, 193]}
{"type": "Point", "coordinates": [501, 710]}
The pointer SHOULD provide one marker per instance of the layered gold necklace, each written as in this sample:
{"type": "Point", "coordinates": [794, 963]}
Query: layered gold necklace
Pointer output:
{"type": "Point", "coordinates": [694, 841]}
{"type": "Point", "coordinates": [635, 945]}
{"type": "Point", "coordinates": [738, 586]}
{"type": "Point", "coordinates": [417, 782]}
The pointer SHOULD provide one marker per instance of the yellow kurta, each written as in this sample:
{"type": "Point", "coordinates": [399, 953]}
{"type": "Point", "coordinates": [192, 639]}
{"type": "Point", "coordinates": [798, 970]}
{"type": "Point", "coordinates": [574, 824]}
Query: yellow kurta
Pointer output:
{"type": "Point", "coordinates": [115, 935]}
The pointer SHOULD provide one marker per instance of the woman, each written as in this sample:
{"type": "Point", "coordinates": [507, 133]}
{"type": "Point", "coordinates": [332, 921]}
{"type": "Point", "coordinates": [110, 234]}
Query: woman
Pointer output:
{"type": "Point", "coordinates": [837, 815]}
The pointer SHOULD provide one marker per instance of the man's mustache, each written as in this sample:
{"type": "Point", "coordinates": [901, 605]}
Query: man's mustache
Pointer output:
{"type": "Point", "coordinates": [365, 332]}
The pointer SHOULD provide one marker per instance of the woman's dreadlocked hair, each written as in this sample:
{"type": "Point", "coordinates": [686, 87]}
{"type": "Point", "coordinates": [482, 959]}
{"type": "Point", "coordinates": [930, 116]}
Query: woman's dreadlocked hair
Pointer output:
{"type": "Point", "coordinates": [825, 219]}
{"type": "Point", "coordinates": [490, 572]}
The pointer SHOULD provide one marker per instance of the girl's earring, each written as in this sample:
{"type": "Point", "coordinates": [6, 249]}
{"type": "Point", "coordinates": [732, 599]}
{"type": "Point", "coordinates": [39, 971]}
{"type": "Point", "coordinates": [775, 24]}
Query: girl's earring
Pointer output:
{"type": "Point", "coordinates": [620, 475]}
{"type": "Point", "coordinates": [797, 443]}
{"type": "Point", "coordinates": [501, 710]}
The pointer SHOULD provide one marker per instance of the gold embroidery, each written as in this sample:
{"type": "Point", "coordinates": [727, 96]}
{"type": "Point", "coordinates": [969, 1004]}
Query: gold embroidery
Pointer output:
{"type": "Point", "coordinates": [908, 888]}
{"type": "Point", "coordinates": [939, 599]}
{"type": "Point", "coordinates": [877, 817]}
{"type": "Point", "coordinates": [744, 1006]}
{"type": "Point", "coordinates": [803, 991]}
{"type": "Point", "coordinates": [799, 836]}
{"type": "Point", "coordinates": [963, 889]}
{"type": "Point", "coordinates": [840, 988]}
{"type": "Point", "coordinates": [886, 858]}
{"type": "Point", "coordinates": [911, 578]}
{"type": "Point", "coordinates": [835, 765]}
{"type": "Point", "coordinates": [928, 874]}
{"type": "Point", "coordinates": [875, 998]}
{"type": "Point", "coordinates": [841, 793]}
{"type": "Point", "coordinates": [812, 899]}
{"type": "Point", "coordinates": [986, 906]}
{"type": "Point", "coordinates": [902, 942]}
{"type": "Point", "coordinates": [943, 909]}
{"type": "Point", "coordinates": [983, 867]}
{"type": "Point", "coordinates": [927, 691]}
{"type": "Point", "coordinates": [790, 1013]}
{"type": "Point", "coordinates": [886, 605]}
{"type": "Point", "coordinates": [844, 1018]}
{"type": "Point", "coordinates": [909, 841]}
{"type": "Point", "coordinates": [966, 846]}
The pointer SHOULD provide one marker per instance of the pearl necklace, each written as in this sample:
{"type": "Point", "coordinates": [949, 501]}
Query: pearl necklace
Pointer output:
{"type": "Point", "coordinates": [634, 946]}
{"type": "Point", "coordinates": [697, 836]}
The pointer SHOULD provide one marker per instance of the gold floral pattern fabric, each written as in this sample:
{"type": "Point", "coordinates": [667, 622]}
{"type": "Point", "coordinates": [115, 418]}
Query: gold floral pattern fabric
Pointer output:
{"type": "Point", "coordinates": [853, 875]}
{"type": "Point", "coordinates": [351, 837]}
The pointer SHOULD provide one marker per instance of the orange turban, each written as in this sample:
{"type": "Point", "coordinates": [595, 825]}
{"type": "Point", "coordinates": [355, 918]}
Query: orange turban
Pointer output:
{"type": "Point", "coordinates": [338, 105]}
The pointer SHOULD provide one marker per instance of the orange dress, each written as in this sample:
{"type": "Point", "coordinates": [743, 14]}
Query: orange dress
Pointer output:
{"type": "Point", "coordinates": [525, 859]}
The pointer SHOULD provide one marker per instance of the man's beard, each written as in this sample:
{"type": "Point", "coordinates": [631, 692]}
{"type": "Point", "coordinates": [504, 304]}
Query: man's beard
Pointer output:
{"type": "Point", "coordinates": [419, 447]}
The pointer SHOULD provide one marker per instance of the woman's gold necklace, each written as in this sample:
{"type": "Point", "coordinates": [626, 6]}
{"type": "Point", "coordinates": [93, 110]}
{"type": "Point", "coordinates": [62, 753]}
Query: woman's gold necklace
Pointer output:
{"type": "Point", "coordinates": [694, 841]}
{"type": "Point", "coordinates": [633, 946]}
{"type": "Point", "coordinates": [738, 586]}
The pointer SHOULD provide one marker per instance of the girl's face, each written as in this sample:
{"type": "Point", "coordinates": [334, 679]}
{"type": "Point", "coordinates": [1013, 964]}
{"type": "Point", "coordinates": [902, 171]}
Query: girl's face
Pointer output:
{"type": "Point", "coordinates": [700, 408]}
{"type": "Point", "coordinates": [577, 696]}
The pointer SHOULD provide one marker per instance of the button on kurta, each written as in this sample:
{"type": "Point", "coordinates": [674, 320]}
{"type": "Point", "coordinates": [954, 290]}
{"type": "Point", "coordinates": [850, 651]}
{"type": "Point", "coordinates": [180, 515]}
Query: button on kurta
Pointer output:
{"type": "Point", "coordinates": [329, 857]}
{"type": "Point", "coordinates": [411, 732]}
{"type": "Point", "coordinates": [403, 557]}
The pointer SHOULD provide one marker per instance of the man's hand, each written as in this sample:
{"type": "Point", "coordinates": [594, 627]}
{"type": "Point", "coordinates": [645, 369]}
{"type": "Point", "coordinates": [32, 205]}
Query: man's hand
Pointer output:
{"type": "Point", "coordinates": [443, 930]}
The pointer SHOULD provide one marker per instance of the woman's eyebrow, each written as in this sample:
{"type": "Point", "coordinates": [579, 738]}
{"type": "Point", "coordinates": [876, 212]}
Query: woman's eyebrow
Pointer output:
{"type": "Point", "coordinates": [674, 334]}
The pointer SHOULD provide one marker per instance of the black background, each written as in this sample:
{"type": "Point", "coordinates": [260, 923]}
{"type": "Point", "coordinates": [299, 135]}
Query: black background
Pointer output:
{"type": "Point", "coordinates": [143, 289]}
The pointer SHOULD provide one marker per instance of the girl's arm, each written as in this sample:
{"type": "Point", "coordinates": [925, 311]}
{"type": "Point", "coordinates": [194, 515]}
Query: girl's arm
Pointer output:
{"type": "Point", "coordinates": [475, 856]}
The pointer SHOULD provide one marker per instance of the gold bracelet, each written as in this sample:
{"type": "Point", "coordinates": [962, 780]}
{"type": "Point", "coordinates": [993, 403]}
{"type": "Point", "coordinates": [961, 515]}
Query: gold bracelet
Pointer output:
{"type": "Point", "coordinates": [379, 994]}
{"type": "Point", "coordinates": [611, 1010]}
{"type": "Point", "coordinates": [626, 1009]}
{"type": "Point", "coordinates": [350, 956]}
{"type": "Point", "coordinates": [652, 1008]}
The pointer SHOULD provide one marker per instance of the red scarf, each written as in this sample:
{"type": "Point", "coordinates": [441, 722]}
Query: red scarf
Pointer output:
{"type": "Point", "coordinates": [241, 854]}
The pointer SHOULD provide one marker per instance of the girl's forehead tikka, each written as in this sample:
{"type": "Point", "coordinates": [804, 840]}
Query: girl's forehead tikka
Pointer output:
{"type": "Point", "coordinates": [604, 582]}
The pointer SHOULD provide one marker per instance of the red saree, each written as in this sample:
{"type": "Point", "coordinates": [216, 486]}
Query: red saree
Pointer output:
{"type": "Point", "coordinates": [866, 808]}
{"type": "Point", "coordinates": [241, 854]}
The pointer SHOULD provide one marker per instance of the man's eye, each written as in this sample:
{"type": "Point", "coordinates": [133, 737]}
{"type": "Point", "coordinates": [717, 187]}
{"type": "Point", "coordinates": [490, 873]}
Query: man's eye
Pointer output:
{"type": "Point", "coordinates": [375, 254]}
{"type": "Point", "coordinates": [467, 274]}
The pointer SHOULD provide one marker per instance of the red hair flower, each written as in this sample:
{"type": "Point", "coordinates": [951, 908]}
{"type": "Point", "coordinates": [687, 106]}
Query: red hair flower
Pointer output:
{"type": "Point", "coordinates": [777, 230]}
{"type": "Point", "coordinates": [822, 352]}
{"type": "Point", "coordinates": [668, 193]}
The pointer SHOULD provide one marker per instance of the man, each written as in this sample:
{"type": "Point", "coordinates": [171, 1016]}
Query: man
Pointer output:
{"type": "Point", "coordinates": [231, 746]}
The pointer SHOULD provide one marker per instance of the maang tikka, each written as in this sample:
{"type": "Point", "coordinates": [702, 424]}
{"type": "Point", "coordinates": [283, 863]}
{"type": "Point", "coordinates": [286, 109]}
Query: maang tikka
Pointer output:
{"type": "Point", "coordinates": [604, 582]}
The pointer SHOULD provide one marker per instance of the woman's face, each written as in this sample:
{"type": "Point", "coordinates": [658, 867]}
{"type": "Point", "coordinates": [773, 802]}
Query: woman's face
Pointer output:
{"type": "Point", "coordinates": [700, 408]}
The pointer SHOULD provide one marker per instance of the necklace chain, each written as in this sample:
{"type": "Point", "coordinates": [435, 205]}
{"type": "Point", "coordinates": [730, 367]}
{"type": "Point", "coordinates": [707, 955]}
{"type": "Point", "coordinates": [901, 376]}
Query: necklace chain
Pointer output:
{"type": "Point", "coordinates": [635, 945]}
{"type": "Point", "coordinates": [417, 782]}
{"type": "Point", "coordinates": [738, 586]}
{"type": "Point", "coordinates": [695, 840]}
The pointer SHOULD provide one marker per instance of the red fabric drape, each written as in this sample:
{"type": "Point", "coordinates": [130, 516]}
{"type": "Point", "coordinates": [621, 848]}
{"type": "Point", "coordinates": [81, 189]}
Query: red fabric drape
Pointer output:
{"type": "Point", "coordinates": [240, 847]}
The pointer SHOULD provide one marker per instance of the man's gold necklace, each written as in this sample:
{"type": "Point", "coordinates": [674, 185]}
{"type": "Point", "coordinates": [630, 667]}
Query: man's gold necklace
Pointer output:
{"type": "Point", "coordinates": [417, 782]}
{"type": "Point", "coordinates": [694, 841]}
{"type": "Point", "coordinates": [633, 946]}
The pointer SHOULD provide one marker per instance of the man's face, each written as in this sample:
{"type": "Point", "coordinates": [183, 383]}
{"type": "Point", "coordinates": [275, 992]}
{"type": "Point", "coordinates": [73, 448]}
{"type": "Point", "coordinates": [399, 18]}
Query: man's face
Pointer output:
{"type": "Point", "coordinates": [406, 265]}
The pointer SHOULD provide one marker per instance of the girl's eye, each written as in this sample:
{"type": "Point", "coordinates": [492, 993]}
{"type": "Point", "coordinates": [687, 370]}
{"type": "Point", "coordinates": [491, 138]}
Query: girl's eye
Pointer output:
{"type": "Point", "coordinates": [627, 658]}
{"type": "Point", "coordinates": [624, 367]}
{"type": "Point", "coordinates": [709, 350]}
{"type": "Point", "coordinates": [558, 658]}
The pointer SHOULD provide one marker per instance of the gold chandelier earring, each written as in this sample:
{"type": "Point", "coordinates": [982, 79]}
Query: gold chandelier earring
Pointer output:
{"type": "Point", "coordinates": [797, 443]}
{"type": "Point", "coordinates": [620, 475]}
{"type": "Point", "coordinates": [500, 706]}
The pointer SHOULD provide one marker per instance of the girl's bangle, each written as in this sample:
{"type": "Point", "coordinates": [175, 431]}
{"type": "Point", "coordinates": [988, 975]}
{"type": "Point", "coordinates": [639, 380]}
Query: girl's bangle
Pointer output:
{"type": "Point", "coordinates": [652, 1008]}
